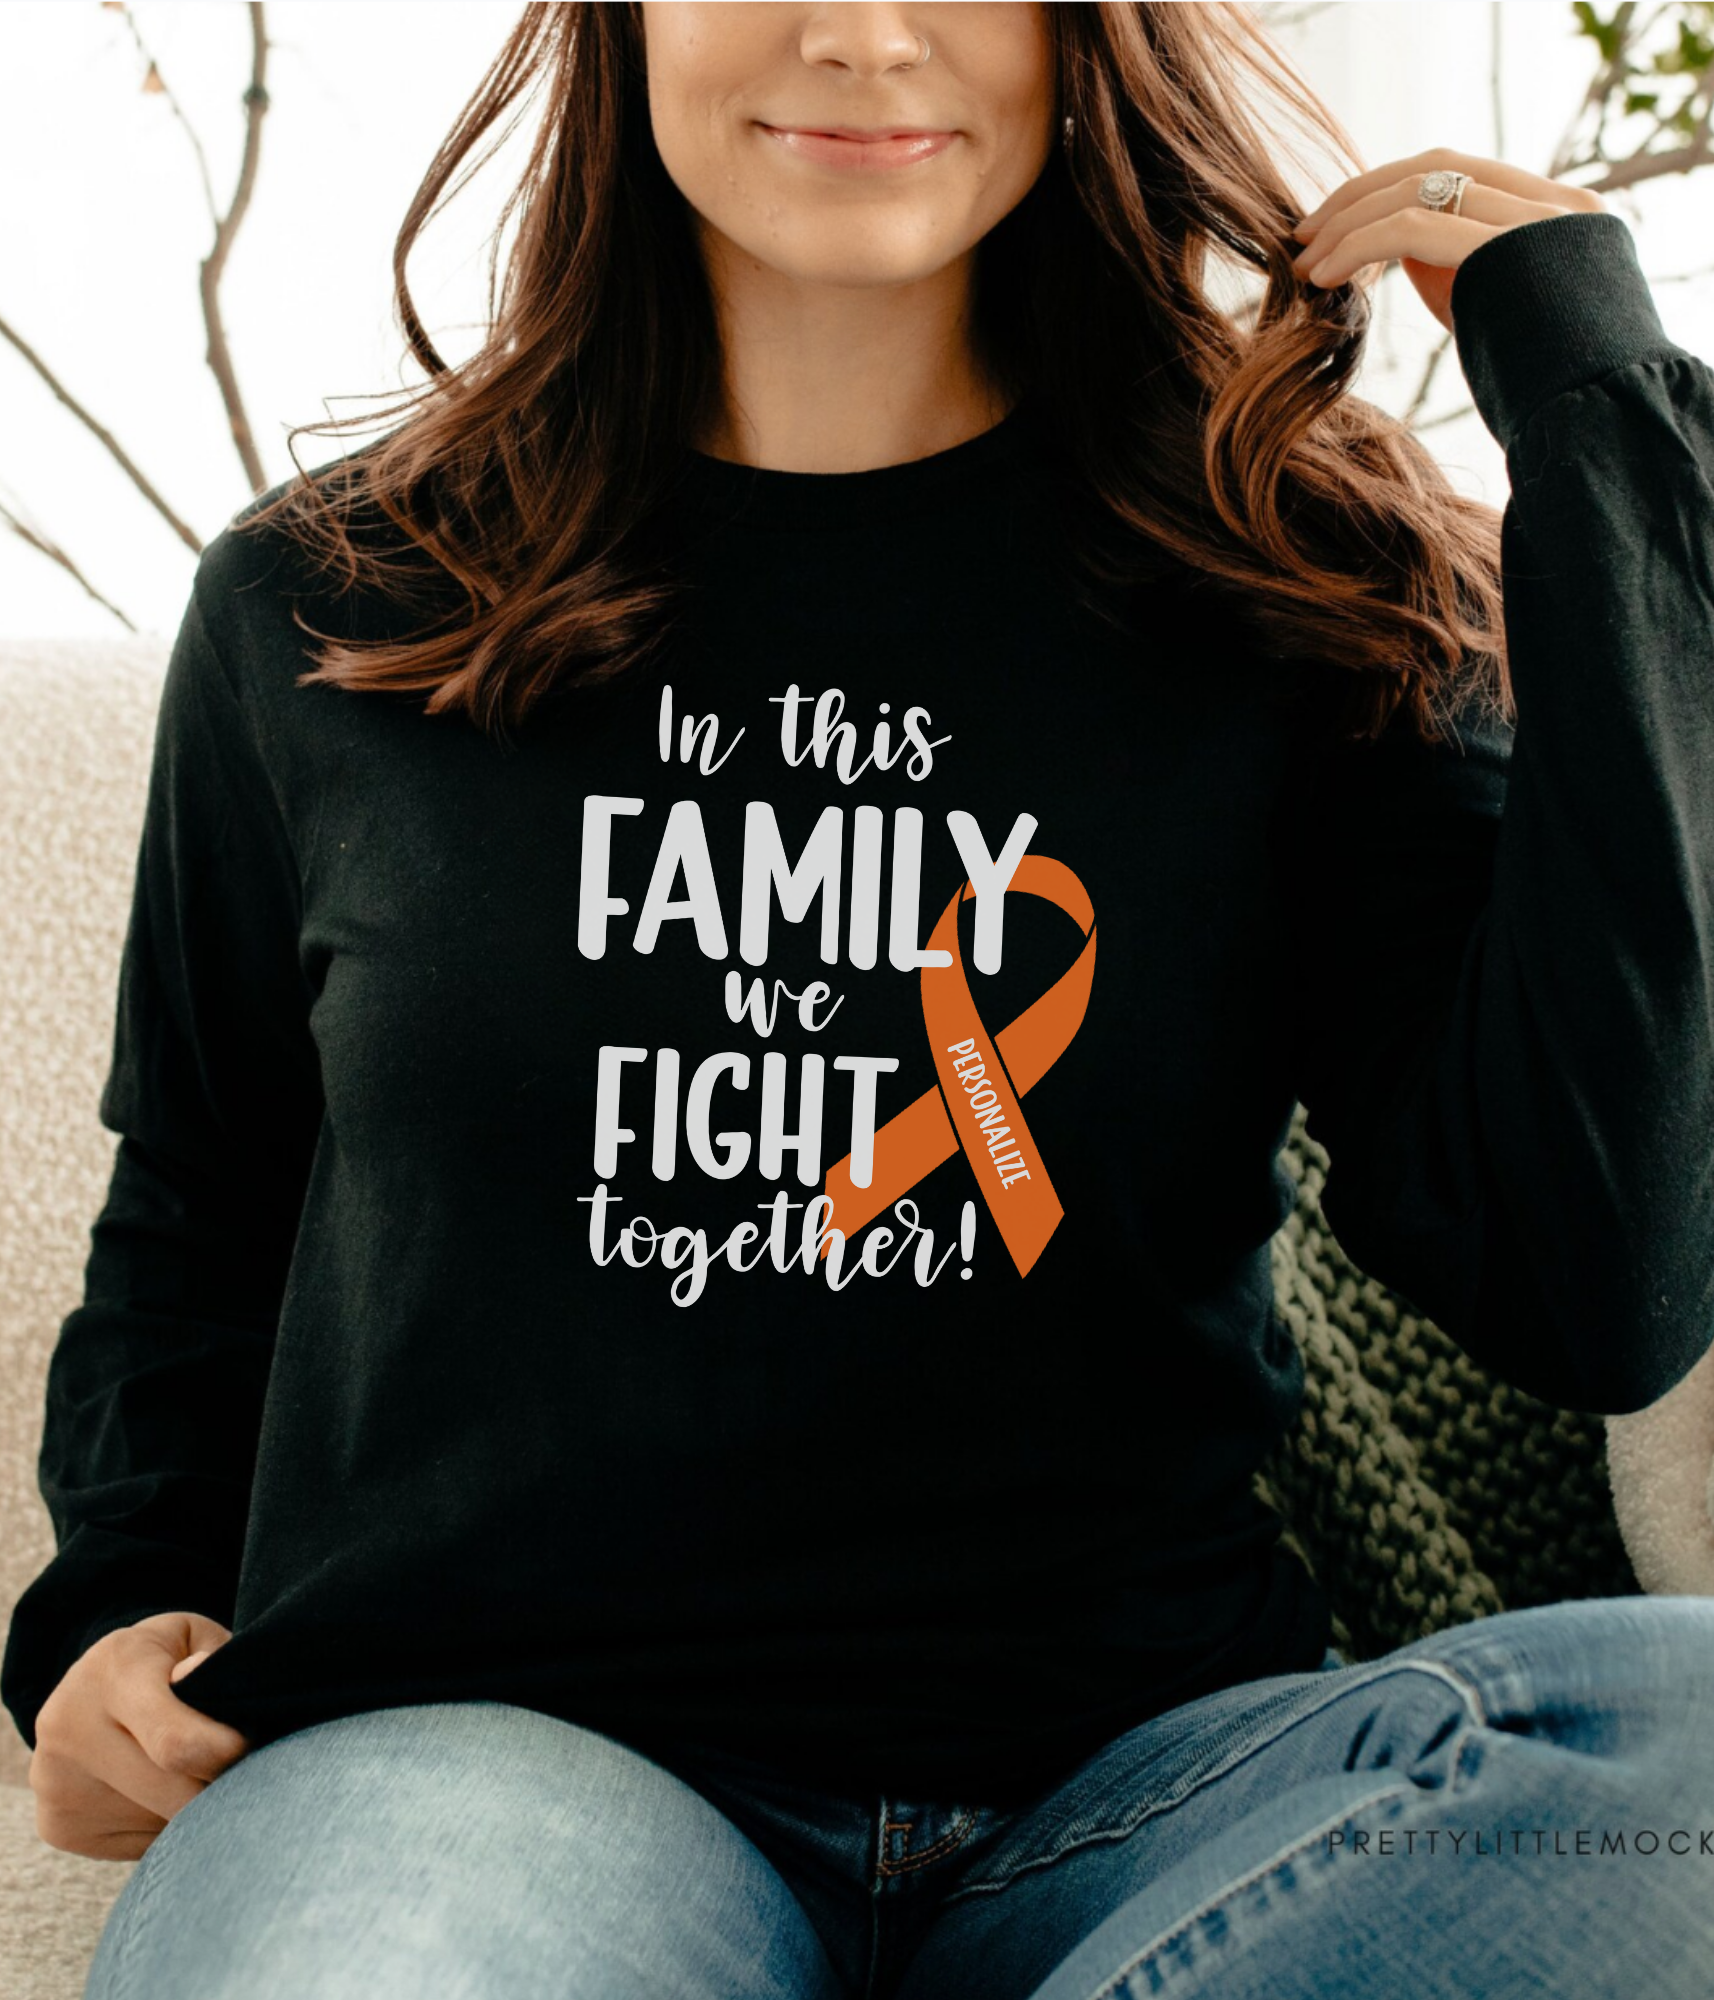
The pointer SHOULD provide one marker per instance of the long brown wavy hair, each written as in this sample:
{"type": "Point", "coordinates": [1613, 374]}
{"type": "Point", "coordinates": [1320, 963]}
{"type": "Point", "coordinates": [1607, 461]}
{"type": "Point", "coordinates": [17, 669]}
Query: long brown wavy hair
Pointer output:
{"type": "Point", "coordinates": [525, 486]}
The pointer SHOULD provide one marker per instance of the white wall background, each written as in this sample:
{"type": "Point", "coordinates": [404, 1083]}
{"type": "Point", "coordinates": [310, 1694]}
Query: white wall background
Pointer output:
{"type": "Point", "coordinates": [102, 227]}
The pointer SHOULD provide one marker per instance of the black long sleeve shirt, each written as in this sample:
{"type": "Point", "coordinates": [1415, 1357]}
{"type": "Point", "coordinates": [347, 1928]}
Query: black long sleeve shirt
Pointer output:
{"type": "Point", "coordinates": [572, 1241]}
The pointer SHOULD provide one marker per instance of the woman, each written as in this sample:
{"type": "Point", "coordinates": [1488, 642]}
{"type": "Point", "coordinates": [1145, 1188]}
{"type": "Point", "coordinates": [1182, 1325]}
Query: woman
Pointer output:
{"type": "Point", "coordinates": [750, 1489]}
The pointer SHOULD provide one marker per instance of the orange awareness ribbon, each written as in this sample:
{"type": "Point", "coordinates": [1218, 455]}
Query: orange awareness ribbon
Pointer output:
{"type": "Point", "coordinates": [983, 1079]}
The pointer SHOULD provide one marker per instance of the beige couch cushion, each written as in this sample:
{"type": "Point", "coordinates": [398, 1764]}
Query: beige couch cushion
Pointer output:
{"type": "Point", "coordinates": [52, 1906]}
{"type": "Point", "coordinates": [76, 728]}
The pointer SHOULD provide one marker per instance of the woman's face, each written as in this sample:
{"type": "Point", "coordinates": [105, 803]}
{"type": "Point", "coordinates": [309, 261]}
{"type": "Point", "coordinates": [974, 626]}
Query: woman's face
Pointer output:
{"type": "Point", "coordinates": [742, 98]}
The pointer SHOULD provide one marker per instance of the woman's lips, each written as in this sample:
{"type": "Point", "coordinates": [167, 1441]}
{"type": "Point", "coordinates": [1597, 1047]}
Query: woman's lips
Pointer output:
{"type": "Point", "coordinates": [864, 152]}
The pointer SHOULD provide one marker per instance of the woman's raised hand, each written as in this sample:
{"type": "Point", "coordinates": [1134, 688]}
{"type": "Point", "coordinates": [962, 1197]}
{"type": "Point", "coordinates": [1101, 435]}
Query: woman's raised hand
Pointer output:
{"type": "Point", "coordinates": [1374, 217]}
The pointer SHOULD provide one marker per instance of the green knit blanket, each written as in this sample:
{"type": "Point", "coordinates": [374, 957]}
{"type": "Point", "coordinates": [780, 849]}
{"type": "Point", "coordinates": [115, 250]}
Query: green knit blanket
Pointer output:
{"type": "Point", "coordinates": [1421, 1491]}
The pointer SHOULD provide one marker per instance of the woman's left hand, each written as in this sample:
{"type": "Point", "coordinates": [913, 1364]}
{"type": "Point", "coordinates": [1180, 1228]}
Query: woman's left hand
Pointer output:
{"type": "Point", "coordinates": [1375, 217]}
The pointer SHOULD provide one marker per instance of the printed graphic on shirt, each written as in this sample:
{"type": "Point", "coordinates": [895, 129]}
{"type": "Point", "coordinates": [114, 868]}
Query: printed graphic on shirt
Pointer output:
{"type": "Point", "coordinates": [982, 1072]}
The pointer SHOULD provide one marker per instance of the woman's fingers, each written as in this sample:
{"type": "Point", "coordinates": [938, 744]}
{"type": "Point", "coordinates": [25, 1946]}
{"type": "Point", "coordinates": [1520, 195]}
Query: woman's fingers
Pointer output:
{"type": "Point", "coordinates": [177, 1738]}
{"type": "Point", "coordinates": [1499, 176]}
{"type": "Point", "coordinates": [1424, 235]}
{"type": "Point", "coordinates": [1481, 203]}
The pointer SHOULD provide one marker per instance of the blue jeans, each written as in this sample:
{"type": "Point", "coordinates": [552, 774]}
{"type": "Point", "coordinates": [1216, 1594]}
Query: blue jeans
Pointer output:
{"type": "Point", "coordinates": [1522, 1805]}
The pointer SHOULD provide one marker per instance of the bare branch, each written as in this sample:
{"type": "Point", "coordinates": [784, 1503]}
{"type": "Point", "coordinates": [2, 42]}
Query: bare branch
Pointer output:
{"type": "Point", "coordinates": [219, 354]}
{"type": "Point", "coordinates": [44, 545]}
{"type": "Point", "coordinates": [1633, 85]}
{"type": "Point", "coordinates": [1496, 77]}
{"type": "Point", "coordinates": [166, 90]}
{"type": "Point", "coordinates": [1655, 166]}
{"type": "Point", "coordinates": [1609, 73]}
{"type": "Point", "coordinates": [1445, 417]}
{"type": "Point", "coordinates": [1441, 349]}
{"type": "Point", "coordinates": [1276, 15]}
{"type": "Point", "coordinates": [104, 437]}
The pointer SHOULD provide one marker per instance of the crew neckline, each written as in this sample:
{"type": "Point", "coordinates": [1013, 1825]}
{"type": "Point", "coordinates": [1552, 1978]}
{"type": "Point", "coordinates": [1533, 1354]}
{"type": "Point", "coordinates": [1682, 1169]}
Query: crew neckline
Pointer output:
{"type": "Point", "coordinates": [768, 496]}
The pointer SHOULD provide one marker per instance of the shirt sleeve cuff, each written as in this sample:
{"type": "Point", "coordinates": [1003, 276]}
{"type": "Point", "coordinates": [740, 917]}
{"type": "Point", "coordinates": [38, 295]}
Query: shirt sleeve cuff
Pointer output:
{"type": "Point", "coordinates": [1548, 306]}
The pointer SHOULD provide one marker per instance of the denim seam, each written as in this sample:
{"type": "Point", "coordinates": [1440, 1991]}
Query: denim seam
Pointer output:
{"type": "Point", "coordinates": [1110, 1986]}
{"type": "Point", "coordinates": [874, 1965]}
{"type": "Point", "coordinates": [135, 1919]}
{"type": "Point", "coordinates": [944, 1845]}
{"type": "Point", "coordinates": [1124, 1828]}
